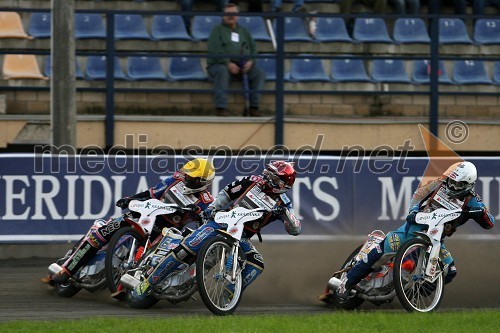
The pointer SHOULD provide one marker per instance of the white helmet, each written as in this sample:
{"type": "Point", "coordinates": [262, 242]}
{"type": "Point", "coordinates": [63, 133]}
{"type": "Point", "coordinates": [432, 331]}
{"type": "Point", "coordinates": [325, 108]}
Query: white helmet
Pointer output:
{"type": "Point", "coordinates": [461, 178]}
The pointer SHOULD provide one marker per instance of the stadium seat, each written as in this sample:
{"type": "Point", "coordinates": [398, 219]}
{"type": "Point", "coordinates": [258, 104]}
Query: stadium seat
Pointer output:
{"type": "Point", "coordinates": [186, 69]}
{"type": "Point", "coordinates": [21, 66]}
{"type": "Point", "coordinates": [371, 30]}
{"type": "Point", "coordinates": [48, 68]}
{"type": "Point", "coordinates": [11, 26]}
{"type": "Point", "coordinates": [40, 25]}
{"type": "Point", "coordinates": [169, 27]}
{"type": "Point", "coordinates": [307, 70]}
{"type": "Point", "coordinates": [295, 30]}
{"type": "Point", "coordinates": [496, 73]}
{"type": "Point", "coordinates": [331, 29]}
{"type": "Point", "coordinates": [145, 68]}
{"type": "Point", "coordinates": [89, 26]}
{"type": "Point", "coordinates": [202, 26]}
{"type": "Point", "coordinates": [453, 31]}
{"type": "Point", "coordinates": [410, 30]}
{"type": "Point", "coordinates": [389, 71]}
{"type": "Point", "coordinates": [487, 31]}
{"type": "Point", "coordinates": [256, 26]}
{"type": "Point", "coordinates": [268, 65]}
{"type": "Point", "coordinates": [348, 70]}
{"type": "Point", "coordinates": [470, 72]}
{"type": "Point", "coordinates": [422, 70]}
{"type": "Point", "coordinates": [130, 26]}
{"type": "Point", "coordinates": [96, 68]}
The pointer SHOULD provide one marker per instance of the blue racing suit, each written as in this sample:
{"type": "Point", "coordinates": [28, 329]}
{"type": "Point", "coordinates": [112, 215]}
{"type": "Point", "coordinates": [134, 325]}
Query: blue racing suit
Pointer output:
{"type": "Point", "coordinates": [426, 199]}
{"type": "Point", "coordinates": [247, 193]}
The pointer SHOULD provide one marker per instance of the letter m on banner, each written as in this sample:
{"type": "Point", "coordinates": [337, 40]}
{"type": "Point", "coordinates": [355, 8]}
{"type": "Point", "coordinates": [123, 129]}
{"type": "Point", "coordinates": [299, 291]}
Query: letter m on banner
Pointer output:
{"type": "Point", "coordinates": [395, 203]}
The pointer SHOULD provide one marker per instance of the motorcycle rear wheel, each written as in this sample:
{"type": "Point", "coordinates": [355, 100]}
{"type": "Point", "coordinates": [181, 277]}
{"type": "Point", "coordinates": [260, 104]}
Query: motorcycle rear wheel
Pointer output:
{"type": "Point", "coordinates": [66, 290]}
{"type": "Point", "coordinates": [351, 303]}
{"type": "Point", "coordinates": [414, 292]}
{"type": "Point", "coordinates": [119, 258]}
{"type": "Point", "coordinates": [150, 299]}
{"type": "Point", "coordinates": [220, 296]}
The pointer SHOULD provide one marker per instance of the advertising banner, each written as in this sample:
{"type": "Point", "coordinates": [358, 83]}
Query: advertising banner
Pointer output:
{"type": "Point", "coordinates": [51, 199]}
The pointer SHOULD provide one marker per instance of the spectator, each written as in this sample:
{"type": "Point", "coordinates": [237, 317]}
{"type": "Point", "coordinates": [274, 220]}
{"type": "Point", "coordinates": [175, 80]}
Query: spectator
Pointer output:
{"type": "Point", "coordinates": [405, 6]}
{"type": "Point", "coordinates": [187, 6]}
{"type": "Point", "coordinates": [379, 6]}
{"type": "Point", "coordinates": [458, 5]}
{"type": "Point", "coordinates": [298, 6]}
{"type": "Point", "coordinates": [479, 5]}
{"type": "Point", "coordinates": [229, 38]}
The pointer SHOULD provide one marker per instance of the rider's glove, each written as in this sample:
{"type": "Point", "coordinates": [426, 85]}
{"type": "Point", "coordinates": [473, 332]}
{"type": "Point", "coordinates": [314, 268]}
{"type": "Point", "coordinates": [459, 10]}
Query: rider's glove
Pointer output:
{"type": "Point", "coordinates": [194, 209]}
{"type": "Point", "coordinates": [208, 214]}
{"type": "Point", "coordinates": [279, 210]}
{"type": "Point", "coordinates": [123, 203]}
{"type": "Point", "coordinates": [475, 213]}
{"type": "Point", "coordinates": [411, 217]}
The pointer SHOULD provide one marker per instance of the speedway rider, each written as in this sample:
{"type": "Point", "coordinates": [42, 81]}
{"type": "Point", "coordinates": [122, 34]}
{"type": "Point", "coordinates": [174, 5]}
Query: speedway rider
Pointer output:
{"type": "Point", "coordinates": [187, 187]}
{"type": "Point", "coordinates": [263, 191]}
{"type": "Point", "coordinates": [453, 190]}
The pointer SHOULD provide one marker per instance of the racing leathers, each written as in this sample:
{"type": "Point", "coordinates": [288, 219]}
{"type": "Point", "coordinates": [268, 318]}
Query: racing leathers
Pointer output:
{"type": "Point", "coordinates": [169, 190]}
{"type": "Point", "coordinates": [426, 198]}
{"type": "Point", "coordinates": [246, 193]}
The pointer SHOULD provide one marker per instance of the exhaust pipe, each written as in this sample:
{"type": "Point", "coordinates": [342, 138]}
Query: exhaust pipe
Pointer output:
{"type": "Point", "coordinates": [55, 269]}
{"type": "Point", "coordinates": [334, 284]}
{"type": "Point", "coordinates": [129, 282]}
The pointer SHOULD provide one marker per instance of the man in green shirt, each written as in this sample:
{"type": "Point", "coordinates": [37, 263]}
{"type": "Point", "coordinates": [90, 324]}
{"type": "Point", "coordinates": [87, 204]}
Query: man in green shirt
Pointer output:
{"type": "Point", "coordinates": [229, 38]}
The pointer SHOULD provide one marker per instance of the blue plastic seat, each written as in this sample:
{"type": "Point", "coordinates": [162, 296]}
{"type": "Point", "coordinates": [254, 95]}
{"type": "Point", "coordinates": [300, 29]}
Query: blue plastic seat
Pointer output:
{"type": "Point", "coordinates": [410, 30]}
{"type": "Point", "coordinates": [371, 30]}
{"type": "Point", "coordinates": [348, 70]}
{"type": "Point", "coordinates": [331, 29]}
{"type": "Point", "coordinates": [201, 26]}
{"type": "Point", "coordinates": [145, 68]}
{"type": "Point", "coordinates": [268, 65]}
{"type": "Point", "coordinates": [389, 71]}
{"type": "Point", "coordinates": [169, 27]}
{"type": "Point", "coordinates": [453, 31]}
{"type": "Point", "coordinates": [40, 25]}
{"type": "Point", "coordinates": [186, 69]}
{"type": "Point", "coordinates": [256, 26]}
{"type": "Point", "coordinates": [295, 30]}
{"type": "Point", "coordinates": [130, 26]}
{"type": "Point", "coordinates": [422, 69]}
{"type": "Point", "coordinates": [48, 68]}
{"type": "Point", "coordinates": [89, 26]}
{"type": "Point", "coordinates": [470, 72]}
{"type": "Point", "coordinates": [487, 31]}
{"type": "Point", "coordinates": [496, 73]}
{"type": "Point", "coordinates": [307, 70]}
{"type": "Point", "coordinates": [96, 68]}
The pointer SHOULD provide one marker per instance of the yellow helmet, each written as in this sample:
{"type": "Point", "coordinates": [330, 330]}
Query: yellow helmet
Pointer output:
{"type": "Point", "coordinates": [198, 175]}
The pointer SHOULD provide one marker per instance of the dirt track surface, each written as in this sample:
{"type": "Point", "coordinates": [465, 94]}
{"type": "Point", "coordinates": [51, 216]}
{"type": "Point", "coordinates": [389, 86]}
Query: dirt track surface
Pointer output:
{"type": "Point", "coordinates": [296, 273]}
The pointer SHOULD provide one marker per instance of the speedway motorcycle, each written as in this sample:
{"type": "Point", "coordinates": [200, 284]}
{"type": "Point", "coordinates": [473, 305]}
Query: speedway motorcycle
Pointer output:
{"type": "Point", "coordinates": [216, 270]}
{"type": "Point", "coordinates": [414, 274]}
{"type": "Point", "coordinates": [120, 254]}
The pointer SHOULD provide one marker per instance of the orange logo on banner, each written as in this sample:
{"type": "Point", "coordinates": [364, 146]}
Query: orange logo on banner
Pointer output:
{"type": "Point", "coordinates": [441, 157]}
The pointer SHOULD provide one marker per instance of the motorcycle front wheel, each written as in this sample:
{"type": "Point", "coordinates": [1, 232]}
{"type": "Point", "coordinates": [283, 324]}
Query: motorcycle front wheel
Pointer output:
{"type": "Point", "coordinates": [66, 290]}
{"type": "Point", "coordinates": [213, 277]}
{"type": "Point", "coordinates": [121, 255]}
{"type": "Point", "coordinates": [415, 292]}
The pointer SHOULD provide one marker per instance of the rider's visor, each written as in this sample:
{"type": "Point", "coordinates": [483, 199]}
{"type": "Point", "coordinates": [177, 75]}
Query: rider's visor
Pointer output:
{"type": "Point", "coordinates": [453, 184]}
